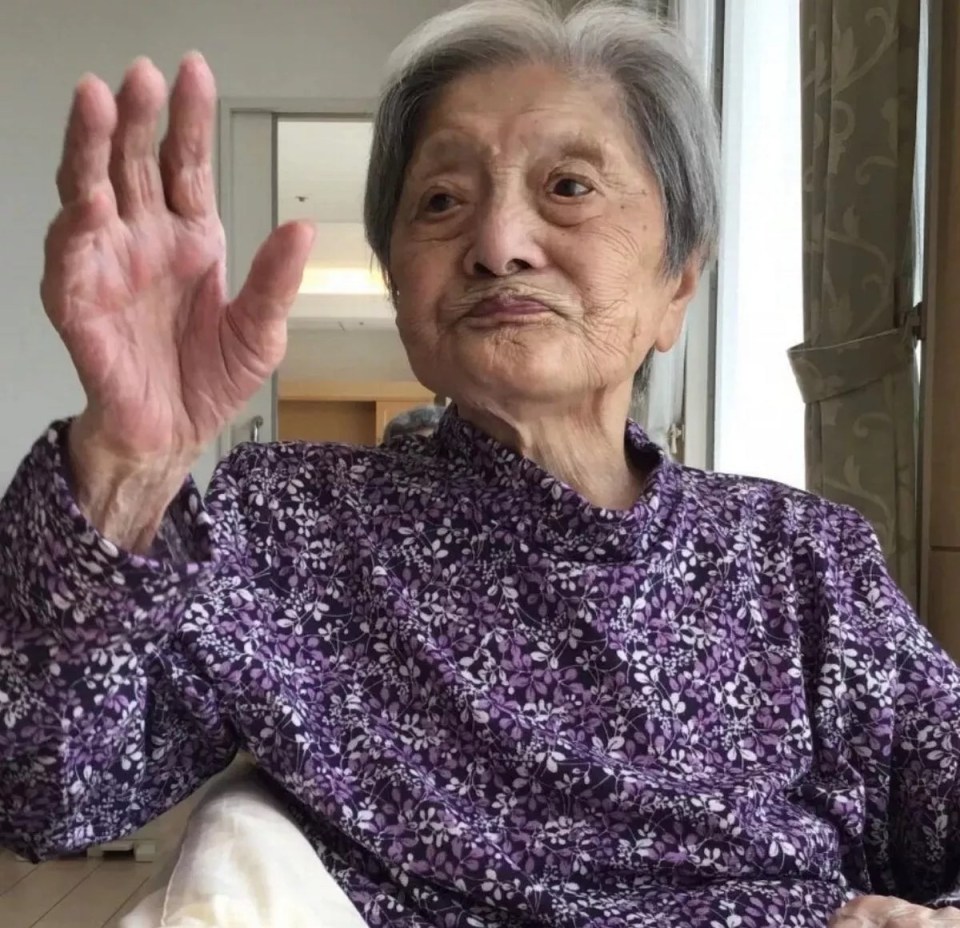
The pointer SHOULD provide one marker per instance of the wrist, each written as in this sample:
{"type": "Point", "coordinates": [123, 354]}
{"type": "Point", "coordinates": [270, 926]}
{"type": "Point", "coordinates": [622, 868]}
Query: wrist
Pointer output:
{"type": "Point", "coordinates": [125, 496]}
{"type": "Point", "coordinates": [92, 435]}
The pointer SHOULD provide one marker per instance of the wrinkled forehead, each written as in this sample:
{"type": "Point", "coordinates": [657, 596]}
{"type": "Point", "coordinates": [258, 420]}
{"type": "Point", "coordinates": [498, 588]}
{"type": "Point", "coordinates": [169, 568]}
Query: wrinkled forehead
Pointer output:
{"type": "Point", "coordinates": [535, 110]}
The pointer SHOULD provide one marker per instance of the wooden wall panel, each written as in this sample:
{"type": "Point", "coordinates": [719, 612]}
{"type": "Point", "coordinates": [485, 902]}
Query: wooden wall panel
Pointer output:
{"type": "Point", "coordinates": [354, 413]}
{"type": "Point", "coordinates": [326, 420]}
{"type": "Point", "coordinates": [944, 599]}
{"type": "Point", "coordinates": [944, 369]}
{"type": "Point", "coordinates": [940, 522]}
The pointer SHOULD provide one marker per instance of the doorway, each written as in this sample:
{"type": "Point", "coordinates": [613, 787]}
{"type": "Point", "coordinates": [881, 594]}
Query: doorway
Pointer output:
{"type": "Point", "coordinates": [346, 373]}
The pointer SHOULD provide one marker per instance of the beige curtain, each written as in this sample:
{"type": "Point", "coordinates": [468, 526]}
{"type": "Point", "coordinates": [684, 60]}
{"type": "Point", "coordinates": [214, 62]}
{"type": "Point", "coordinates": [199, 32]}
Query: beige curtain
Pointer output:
{"type": "Point", "coordinates": [855, 367]}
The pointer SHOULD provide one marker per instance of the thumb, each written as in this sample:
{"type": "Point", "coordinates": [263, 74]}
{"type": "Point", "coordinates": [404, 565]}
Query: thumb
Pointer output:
{"type": "Point", "coordinates": [274, 278]}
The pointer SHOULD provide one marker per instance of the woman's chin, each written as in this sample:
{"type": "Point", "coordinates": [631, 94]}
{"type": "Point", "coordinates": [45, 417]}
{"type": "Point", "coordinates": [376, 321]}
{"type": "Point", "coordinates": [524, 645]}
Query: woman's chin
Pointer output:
{"type": "Point", "coordinates": [511, 384]}
{"type": "Point", "coordinates": [484, 372]}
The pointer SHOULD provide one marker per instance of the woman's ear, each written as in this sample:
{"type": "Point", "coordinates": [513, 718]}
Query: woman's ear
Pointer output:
{"type": "Point", "coordinates": [684, 287]}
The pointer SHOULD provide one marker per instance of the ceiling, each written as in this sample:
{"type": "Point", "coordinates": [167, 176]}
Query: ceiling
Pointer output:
{"type": "Point", "coordinates": [324, 161]}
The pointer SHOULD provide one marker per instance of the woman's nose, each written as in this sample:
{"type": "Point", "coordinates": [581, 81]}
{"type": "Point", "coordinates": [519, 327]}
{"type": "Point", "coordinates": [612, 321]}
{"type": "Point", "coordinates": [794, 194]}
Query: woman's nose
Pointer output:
{"type": "Point", "coordinates": [505, 240]}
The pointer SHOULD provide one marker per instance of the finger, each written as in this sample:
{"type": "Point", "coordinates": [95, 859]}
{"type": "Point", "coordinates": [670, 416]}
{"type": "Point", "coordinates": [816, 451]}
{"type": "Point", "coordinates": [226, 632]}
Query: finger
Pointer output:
{"type": "Point", "coordinates": [134, 171]}
{"type": "Point", "coordinates": [86, 142]}
{"type": "Point", "coordinates": [274, 279]}
{"type": "Point", "coordinates": [849, 919]}
{"type": "Point", "coordinates": [78, 220]}
{"type": "Point", "coordinates": [185, 155]}
{"type": "Point", "coordinates": [67, 244]}
{"type": "Point", "coordinates": [949, 916]}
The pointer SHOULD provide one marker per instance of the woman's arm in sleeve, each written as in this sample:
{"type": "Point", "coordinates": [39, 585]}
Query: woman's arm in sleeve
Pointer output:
{"type": "Point", "coordinates": [925, 769]}
{"type": "Point", "coordinates": [906, 730]}
{"type": "Point", "coordinates": [103, 725]}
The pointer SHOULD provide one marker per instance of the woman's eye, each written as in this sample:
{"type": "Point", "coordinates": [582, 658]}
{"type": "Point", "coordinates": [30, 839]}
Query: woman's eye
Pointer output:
{"type": "Point", "coordinates": [439, 203]}
{"type": "Point", "coordinates": [570, 187]}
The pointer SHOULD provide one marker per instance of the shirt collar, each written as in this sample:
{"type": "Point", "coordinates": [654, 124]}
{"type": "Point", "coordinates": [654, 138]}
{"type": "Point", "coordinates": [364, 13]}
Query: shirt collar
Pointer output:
{"type": "Point", "coordinates": [560, 517]}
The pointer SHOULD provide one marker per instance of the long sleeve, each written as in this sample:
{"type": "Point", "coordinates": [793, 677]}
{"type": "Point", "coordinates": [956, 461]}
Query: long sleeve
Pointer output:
{"type": "Point", "coordinates": [925, 766]}
{"type": "Point", "coordinates": [899, 724]}
{"type": "Point", "coordinates": [103, 723]}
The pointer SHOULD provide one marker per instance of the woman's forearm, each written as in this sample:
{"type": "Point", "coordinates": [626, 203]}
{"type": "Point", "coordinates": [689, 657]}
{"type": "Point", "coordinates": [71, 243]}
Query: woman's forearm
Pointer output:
{"type": "Point", "coordinates": [125, 500]}
{"type": "Point", "coordinates": [90, 745]}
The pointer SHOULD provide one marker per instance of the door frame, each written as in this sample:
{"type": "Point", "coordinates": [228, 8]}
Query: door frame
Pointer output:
{"type": "Point", "coordinates": [701, 25]}
{"type": "Point", "coordinates": [939, 527]}
{"type": "Point", "coordinates": [230, 109]}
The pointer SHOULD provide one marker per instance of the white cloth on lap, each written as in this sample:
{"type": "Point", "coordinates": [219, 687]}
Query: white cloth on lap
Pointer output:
{"type": "Point", "coordinates": [243, 863]}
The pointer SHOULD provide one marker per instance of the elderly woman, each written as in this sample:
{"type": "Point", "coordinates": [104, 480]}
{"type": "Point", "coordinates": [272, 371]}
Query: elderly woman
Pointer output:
{"type": "Point", "coordinates": [526, 671]}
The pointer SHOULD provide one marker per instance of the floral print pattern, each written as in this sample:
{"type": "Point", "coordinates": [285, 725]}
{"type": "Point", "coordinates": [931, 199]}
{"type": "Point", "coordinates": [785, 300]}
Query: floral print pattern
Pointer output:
{"type": "Point", "coordinates": [488, 702]}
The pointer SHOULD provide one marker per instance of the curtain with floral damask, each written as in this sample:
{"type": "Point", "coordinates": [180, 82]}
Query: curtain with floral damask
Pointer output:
{"type": "Point", "coordinates": [855, 367]}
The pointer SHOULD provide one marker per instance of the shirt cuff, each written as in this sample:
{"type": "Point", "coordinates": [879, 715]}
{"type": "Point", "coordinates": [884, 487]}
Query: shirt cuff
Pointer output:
{"type": "Point", "coordinates": [64, 574]}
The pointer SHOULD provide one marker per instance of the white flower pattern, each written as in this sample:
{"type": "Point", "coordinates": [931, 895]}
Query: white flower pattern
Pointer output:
{"type": "Point", "coordinates": [488, 702]}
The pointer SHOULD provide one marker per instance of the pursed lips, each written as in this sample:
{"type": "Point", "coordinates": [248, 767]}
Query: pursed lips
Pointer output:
{"type": "Point", "coordinates": [508, 308]}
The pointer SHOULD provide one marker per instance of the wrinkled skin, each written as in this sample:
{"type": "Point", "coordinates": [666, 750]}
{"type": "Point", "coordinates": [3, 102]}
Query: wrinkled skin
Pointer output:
{"type": "Point", "coordinates": [134, 278]}
{"type": "Point", "coordinates": [525, 181]}
{"type": "Point", "coordinates": [886, 912]}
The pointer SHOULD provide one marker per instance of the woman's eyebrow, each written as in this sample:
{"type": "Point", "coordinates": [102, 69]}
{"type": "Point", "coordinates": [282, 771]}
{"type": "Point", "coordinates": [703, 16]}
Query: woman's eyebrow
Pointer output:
{"type": "Point", "coordinates": [442, 153]}
{"type": "Point", "coordinates": [445, 152]}
{"type": "Point", "coordinates": [578, 147]}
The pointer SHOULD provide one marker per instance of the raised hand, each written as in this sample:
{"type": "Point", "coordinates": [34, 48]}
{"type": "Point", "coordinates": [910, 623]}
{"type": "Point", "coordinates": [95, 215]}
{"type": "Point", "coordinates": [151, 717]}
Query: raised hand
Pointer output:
{"type": "Point", "coordinates": [135, 284]}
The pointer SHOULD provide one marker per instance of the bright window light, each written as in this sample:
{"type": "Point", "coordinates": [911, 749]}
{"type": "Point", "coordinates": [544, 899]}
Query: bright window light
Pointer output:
{"type": "Point", "coordinates": [343, 281]}
{"type": "Point", "coordinates": [760, 415]}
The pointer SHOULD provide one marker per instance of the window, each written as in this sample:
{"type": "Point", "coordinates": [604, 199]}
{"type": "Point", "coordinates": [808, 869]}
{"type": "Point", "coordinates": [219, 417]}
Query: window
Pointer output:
{"type": "Point", "coordinates": [759, 424]}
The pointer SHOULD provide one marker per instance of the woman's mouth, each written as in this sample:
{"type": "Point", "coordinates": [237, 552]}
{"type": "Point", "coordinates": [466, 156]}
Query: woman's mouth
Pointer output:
{"type": "Point", "coordinates": [507, 309]}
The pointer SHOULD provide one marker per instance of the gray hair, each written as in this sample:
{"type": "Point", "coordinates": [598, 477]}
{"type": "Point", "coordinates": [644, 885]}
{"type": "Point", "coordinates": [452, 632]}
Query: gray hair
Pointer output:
{"type": "Point", "coordinates": [674, 122]}
{"type": "Point", "coordinates": [421, 419]}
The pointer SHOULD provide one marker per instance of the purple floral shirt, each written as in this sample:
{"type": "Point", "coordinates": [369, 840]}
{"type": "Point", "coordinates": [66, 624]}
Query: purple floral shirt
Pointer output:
{"type": "Point", "coordinates": [489, 702]}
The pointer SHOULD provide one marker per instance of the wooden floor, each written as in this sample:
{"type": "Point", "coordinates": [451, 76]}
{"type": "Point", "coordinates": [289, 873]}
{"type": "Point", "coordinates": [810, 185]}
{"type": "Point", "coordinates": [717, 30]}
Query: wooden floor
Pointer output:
{"type": "Point", "coordinates": [77, 893]}
{"type": "Point", "coordinates": [81, 892]}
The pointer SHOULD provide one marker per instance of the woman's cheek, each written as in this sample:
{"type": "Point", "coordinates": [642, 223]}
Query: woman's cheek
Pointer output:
{"type": "Point", "coordinates": [418, 323]}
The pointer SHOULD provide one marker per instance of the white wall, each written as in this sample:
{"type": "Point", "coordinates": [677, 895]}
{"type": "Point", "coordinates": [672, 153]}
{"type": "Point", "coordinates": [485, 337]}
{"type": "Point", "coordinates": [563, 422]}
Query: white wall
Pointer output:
{"type": "Point", "coordinates": [289, 48]}
{"type": "Point", "coordinates": [355, 354]}
{"type": "Point", "coordinates": [340, 244]}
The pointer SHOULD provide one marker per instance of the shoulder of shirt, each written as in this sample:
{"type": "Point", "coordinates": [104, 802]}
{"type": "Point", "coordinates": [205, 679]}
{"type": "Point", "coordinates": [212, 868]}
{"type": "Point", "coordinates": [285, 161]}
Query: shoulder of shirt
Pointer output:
{"type": "Point", "coordinates": [731, 501]}
{"type": "Point", "coordinates": [331, 462]}
{"type": "Point", "coordinates": [805, 517]}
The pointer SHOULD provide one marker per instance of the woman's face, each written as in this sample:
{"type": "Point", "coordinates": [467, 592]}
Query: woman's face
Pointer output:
{"type": "Point", "coordinates": [526, 251]}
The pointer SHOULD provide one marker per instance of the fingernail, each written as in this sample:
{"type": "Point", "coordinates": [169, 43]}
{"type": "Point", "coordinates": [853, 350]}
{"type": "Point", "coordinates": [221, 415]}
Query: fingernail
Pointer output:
{"type": "Point", "coordinates": [86, 80]}
{"type": "Point", "coordinates": [142, 66]}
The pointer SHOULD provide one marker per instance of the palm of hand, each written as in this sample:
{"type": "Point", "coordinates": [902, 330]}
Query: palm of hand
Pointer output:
{"type": "Point", "coordinates": [134, 279]}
